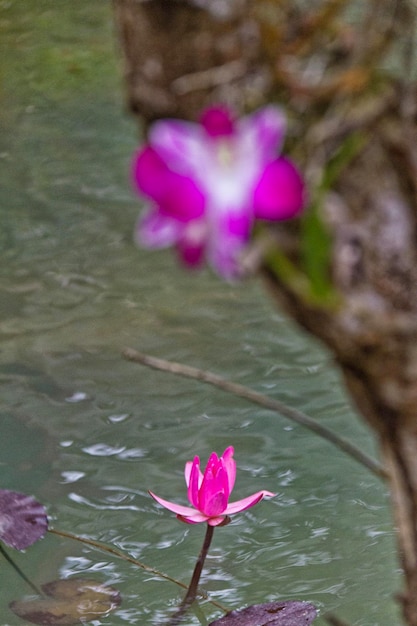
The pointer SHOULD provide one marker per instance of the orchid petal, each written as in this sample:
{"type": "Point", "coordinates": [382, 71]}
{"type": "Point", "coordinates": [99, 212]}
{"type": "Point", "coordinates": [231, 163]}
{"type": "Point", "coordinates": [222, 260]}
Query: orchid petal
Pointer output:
{"type": "Point", "coordinates": [246, 503]}
{"type": "Point", "coordinates": [232, 232]}
{"type": "Point", "coordinates": [155, 230]}
{"type": "Point", "coordinates": [225, 260]}
{"type": "Point", "coordinates": [190, 255]}
{"type": "Point", "coordinates": [237, 224]}
{"type": "Point", "coordinates": [183, 198]}
{"type": "Point", "coordinates": [176, 195]}
{"type": "Point", "coordinates": [180, 144]}
{"type": "Point", "coordinates": [178, 509]}
{"type": "Point", "coordinates": [217, 122]}
{"type": "Point", "coordinates": [262, 132]}
{"type": "Point", "coordinates": [149, 172]}
{"type": "Point", "coordinates": [191, 244]}
{"type": "Point", "coordinates": [279, 194]}
{"type": "Point", "coordinates": [212, 179]}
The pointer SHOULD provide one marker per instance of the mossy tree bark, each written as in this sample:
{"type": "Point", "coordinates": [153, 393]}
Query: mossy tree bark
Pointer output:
{"type": "Point", "coordinates": [347, 272]}
{"type": "Point", "coordinates": [180, 56]}
{"type": "Point", "coordinates": [371, 327]}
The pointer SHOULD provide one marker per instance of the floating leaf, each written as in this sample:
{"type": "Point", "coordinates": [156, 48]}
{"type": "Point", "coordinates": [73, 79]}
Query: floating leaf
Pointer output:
{"type": "Point", "coordinates": [23, 520]}
{"type": "Point", "coordinates": [71, 601]}
{"type": "Point", "coordinates": [288, 613]}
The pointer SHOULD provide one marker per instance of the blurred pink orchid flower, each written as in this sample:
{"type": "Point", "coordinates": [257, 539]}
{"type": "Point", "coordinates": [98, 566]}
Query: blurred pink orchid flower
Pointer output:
{"type": "Point", "coordinates": [209, 492]}
{"type": "Point", "coordinates": [209, 181]}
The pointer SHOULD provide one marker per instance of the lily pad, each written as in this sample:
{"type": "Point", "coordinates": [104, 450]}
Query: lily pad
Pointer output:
{"type": "Point", "coordinates": [23, 520]}
{"type": "Point", "coordinates": [288, 613]}
{"type": "Point", "coordinates": [66, 602]}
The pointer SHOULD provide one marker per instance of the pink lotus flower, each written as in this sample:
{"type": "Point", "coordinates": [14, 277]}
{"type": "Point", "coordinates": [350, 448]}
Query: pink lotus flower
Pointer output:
{"type": "Point", "coordinates": [208, 182]}
{"type": "Point", "coordinates": [209, 492]}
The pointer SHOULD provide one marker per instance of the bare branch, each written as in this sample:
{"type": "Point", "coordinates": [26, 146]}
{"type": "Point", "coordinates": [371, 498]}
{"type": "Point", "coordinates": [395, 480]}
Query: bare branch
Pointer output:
{"type": "Point", "coordinates": [257, 398]}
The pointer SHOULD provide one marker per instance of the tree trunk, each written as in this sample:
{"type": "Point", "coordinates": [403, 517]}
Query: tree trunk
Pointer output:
{"type": "Point", "coordinates": [348, 271]}
{"type": "Point", "coordinates": [180, 56]}
{"type": "Point", "coordinates": [371, 327]}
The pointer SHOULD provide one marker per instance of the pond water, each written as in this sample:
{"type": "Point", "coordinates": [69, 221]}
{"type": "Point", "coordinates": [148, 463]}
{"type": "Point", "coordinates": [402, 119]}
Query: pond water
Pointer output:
{"type": "Point", "coordinates": [88, 433]}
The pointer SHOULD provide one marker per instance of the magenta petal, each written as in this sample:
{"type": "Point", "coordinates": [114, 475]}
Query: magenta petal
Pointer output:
{"type": "Point", "coordinates": [230, 466]}
{"type": "Point", "coordinates": [226, 260]}
{"type": "Point", "coordinates": [238, 225]}
{"type": "Point", "coordinates": [246, 503]}
{"type": "Point", "coordinates": [179, 144]}
{"type": "Point", "coordinates": [213, 504]}
{"type": "Point", "coordinates": [194, 482]}
{"type": "Point", "coordinates": [149, 173]}
{"type": "Point", "coordinates": [192, 242]}
{"type": "Point", "coordinates": [230, 235]}
{"type": "Point", "coordinates": [195, 518]}
{"type": "Point", "coordinates": [176, 195]}
{"type": "Point", "coordinates": [190, 254]}
{"type": "Point", "coordinates": [279, 194]}
{"type": "Point", "coordinates": [215, 521]}
{"type": "Point", "coordinates": [214, 491]}
{"type": "Point", "coordinates": [182, 198]}
{"type": "Point", "coordinates": [178, 509]}
{"type": "Point", "coordinates": [155, 230]}
{"type": "Point", "coordinates": [217, 121]}
{"type": "Point", "coordinates": [200, 517]}
{"type": "Point", "coordinates": [187, 472]}
{"type": "Point", "coordinates": [263, 132]}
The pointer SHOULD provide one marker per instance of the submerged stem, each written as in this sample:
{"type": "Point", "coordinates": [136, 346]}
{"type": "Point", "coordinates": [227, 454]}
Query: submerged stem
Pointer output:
{"type": "Point", "coordinates": [19, 571]}
{"type": "Point", "coordinates": [195, 579]}
{"type": "Point", "coordinates": [192, 590]}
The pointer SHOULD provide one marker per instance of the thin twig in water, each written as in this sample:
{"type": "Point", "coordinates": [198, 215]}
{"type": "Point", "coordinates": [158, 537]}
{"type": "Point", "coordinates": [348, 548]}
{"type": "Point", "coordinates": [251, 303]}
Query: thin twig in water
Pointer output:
{"type": "Point", "coordinates": [130, 559]}
{"type": "Point", "coordinates": [253, 396]}
{"type": "Point", "coordinates": [19, 571]}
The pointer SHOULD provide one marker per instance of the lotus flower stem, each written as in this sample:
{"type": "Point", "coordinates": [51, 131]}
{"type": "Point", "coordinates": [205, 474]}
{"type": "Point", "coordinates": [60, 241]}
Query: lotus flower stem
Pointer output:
{"type": "Point", "coordinates": [195, 579]}
{"type": "Point", "coordinates": [192, 590]}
